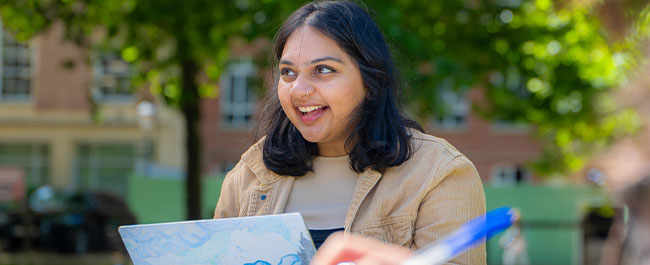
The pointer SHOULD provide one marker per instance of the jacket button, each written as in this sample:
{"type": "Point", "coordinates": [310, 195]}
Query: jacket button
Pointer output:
{"type": "Point", "coordinates": [263, 197]}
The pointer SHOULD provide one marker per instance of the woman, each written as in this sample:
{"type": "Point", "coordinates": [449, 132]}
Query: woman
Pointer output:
{"type": "Point", "coordinates": [337, 148]}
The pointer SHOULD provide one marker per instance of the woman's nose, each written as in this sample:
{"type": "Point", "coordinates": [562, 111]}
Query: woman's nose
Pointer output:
{"type": "Point", "coordinates": [301, 87]}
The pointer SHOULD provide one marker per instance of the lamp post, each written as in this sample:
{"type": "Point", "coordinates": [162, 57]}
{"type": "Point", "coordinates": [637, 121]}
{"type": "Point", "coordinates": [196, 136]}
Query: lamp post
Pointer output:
{"type": "Point", "coordinates": [146, 112]}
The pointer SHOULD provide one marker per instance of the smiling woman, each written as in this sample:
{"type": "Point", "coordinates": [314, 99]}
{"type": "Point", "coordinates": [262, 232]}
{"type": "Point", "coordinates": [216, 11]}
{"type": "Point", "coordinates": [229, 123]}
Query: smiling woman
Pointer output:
{"type": "Point", "coordinates": [332, 87]}
{"type": "Point", "coordinates": [337, 148]}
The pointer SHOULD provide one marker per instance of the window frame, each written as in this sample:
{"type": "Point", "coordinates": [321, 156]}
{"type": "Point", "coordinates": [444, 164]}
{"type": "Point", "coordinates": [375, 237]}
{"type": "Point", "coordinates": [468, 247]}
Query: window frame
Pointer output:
{"type": "Point", "coordinates": [512, 168]}
{"type": "Point", "coordinates": [96, 163]}
{"type": "Point", "coordinates": [39, 158]}
{"type": "Point", "coordinates": [461, 103]}
{"type": "Point", "coordinates": [242, 104]}
{"type": "Point", "coordinates": [22, 98]}
{"type": "Point", "coordinates": [99, 72]}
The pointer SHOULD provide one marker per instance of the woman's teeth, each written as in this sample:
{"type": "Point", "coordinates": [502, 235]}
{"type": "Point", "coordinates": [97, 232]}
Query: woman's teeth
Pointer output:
{"type": "Point", "coordinates": [309, 109]}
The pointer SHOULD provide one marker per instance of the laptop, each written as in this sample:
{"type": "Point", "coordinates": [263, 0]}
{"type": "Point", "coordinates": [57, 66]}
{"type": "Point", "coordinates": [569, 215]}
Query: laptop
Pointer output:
{"type": "Point", "coordinates": [280, 239]}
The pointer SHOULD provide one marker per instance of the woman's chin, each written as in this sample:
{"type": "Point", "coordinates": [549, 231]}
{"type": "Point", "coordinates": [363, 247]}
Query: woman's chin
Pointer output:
{"type": "Point", "coordinates": [312, 137]}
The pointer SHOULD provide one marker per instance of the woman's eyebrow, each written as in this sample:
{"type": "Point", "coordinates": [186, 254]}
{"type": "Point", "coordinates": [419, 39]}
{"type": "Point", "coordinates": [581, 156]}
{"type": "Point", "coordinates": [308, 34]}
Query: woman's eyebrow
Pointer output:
{"type": "Point", "coordinates": [287, 62]}
{"type": "Point", "coordinates": [318, 60]}
{"type": "Point", "coordinates": [326, 58]}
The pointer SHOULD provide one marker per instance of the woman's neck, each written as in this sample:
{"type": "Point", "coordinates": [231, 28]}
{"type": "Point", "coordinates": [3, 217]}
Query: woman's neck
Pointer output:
{"type": "Point", "coordinates": [331, 149]}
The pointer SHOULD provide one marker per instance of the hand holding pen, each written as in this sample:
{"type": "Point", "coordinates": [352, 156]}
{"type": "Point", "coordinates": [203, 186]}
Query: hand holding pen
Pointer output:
{"type": "Point", "coordinates": [341, 249]}
{"type": "Point", "coordinates": [347, 249]}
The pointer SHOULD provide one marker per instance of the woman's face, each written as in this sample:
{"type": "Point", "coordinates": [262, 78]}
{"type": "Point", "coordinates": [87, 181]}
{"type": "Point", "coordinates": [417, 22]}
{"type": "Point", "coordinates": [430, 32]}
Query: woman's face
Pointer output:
{"type": "Point", "coordinates": [319, 88]}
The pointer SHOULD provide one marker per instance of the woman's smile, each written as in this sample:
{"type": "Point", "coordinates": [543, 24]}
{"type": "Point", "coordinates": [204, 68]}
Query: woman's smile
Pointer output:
{"type": "Point", "coordinates": [310, 114]}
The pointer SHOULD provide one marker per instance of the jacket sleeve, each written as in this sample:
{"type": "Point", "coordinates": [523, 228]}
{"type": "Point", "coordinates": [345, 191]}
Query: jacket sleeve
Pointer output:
{"type": "Point", "coordinates": [229, 200]}
{"type": "Point", "coordinates": [457, 196]}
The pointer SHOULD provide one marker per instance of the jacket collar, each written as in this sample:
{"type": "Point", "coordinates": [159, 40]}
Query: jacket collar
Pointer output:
{"type": "Point", "coordinates": [254, 160]}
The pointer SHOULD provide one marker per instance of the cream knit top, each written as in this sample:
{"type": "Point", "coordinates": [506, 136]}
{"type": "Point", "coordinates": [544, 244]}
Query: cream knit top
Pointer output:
{"type": "Point", "coordinates": [323, 196]}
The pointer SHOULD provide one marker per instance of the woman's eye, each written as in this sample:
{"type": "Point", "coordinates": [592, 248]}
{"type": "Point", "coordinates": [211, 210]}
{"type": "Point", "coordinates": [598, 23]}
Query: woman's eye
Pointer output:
{"type": "Point", "coordinates": [324, 70]}
{"type": "Point", "coordinates": [287, 72]}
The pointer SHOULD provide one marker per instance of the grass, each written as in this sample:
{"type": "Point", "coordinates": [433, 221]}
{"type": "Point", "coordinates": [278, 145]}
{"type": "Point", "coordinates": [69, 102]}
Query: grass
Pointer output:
{"type": "Point", "coordinates": [53, 258]}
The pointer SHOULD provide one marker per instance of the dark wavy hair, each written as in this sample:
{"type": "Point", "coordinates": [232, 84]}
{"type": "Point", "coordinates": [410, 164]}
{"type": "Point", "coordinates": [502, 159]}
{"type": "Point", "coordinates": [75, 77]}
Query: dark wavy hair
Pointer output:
{"type": "Point", "coordinates": [381, 138]}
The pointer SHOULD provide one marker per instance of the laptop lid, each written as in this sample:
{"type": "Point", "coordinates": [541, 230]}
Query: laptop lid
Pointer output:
{"type": "Point", "coordinates": [260, 240]}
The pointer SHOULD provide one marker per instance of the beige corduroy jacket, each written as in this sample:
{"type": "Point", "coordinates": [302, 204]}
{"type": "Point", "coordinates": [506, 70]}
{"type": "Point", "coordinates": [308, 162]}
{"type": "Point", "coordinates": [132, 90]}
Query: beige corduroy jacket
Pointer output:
{"type": "Point", "coordinates": [412, 205]}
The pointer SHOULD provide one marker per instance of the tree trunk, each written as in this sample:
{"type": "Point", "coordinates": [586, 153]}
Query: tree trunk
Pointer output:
{"type": "Point", "coordinates": [189, 103]}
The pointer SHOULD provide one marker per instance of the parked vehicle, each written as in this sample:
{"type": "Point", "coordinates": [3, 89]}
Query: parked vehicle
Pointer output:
{"type": "Point", "coordinates": [76, 222]}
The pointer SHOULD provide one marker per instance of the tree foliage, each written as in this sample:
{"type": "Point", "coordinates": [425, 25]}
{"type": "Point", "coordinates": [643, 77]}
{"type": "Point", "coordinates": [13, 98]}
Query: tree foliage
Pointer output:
{"type": "Point", "coordinates": [539, 64]}
{"type": "Point", "coordinates": [549, 66]}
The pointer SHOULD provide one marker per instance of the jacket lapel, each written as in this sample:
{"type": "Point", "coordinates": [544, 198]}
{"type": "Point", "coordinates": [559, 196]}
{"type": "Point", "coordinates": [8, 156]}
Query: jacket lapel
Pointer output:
{"type": "Point", "coordinates": [282, 190]}
{"type": "Point", "coordinates": [367, 181]}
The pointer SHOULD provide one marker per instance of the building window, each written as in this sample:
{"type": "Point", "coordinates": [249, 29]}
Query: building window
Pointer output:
{"type": "Point", "coordinates": [112, 79]}
{"type": "Point", "coordinates": [15, 84]}
{"type": "Point", "coordinates": [104, 166]}
{"type": "Point", "coordinates": [237, 94]}
{"type": "Point", "coordinates": [32, 157]}
{"type": "Point", "coordinates": [508, 175]}
{"type": "Point", "coordinates": [455, 112]}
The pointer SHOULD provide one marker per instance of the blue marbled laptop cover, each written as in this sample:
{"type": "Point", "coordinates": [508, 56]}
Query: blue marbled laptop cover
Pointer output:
{"type": "Point", "coordinates": [260, 240]}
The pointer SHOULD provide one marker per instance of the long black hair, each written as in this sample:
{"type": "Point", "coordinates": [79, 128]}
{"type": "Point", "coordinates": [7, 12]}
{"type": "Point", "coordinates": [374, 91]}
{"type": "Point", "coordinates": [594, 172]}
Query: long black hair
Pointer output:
{"type": "Point", "coordinates": [381, 138]}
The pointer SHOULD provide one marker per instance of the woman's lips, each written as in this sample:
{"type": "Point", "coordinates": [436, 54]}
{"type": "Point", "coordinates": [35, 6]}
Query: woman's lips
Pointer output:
{"type": "Point", "coordinates": [312, 116]}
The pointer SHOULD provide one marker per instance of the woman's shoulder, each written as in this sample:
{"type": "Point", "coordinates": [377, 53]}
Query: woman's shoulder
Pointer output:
{"type": "Point", "coordinates": [426, 145]}
{"type": "Point", "coordinates": [433, 159]}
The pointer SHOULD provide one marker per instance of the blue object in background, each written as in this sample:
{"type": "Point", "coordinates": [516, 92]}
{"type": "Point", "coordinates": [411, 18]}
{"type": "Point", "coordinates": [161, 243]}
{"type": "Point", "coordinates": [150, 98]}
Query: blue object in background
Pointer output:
{"type": "Point", "coordinates": [472, 233]}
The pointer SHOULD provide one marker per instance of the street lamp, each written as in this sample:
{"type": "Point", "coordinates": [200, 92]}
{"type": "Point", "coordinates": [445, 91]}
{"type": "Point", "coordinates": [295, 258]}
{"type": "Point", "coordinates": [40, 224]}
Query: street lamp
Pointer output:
{"type": "Point", "coordinates": [146, 112]}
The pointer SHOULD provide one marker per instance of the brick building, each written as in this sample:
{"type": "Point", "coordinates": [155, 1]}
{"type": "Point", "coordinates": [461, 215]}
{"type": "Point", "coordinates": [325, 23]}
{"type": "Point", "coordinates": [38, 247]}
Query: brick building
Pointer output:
{"type": "Point", "coordinates": [49, 96]}
{"type": "Point", "coordinates": [49, 127]}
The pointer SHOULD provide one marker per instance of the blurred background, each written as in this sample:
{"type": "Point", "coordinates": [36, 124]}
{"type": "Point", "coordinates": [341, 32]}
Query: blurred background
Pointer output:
{"type": "Point", "coordinates": [132, 111]}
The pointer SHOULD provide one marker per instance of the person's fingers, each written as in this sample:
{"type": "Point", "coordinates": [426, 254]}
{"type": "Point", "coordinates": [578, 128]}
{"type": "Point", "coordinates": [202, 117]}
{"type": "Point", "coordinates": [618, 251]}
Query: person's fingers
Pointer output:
{"type": "Point", "coordinates": [338, 248]}
{"type": "Point", "coordinates": [392, 256]}
{"type": "Point", "coordinates": [346, 247]}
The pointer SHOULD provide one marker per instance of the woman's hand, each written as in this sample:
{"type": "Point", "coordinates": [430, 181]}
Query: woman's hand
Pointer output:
{"type": "Point", "coordinates": [345, 247]}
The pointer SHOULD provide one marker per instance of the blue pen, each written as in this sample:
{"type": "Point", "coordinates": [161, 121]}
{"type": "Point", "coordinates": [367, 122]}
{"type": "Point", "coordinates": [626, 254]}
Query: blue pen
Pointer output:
{"type": "Point", "coordinates": [472, 233]}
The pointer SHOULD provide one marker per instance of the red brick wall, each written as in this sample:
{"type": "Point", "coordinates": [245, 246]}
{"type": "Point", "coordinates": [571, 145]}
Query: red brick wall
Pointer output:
{"type": "Point", "coordinates": [486, 146]}
{"type": "Point", "coordinates": [220, 145]}
{"type": "Point", "coordinates": [57, 87]}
